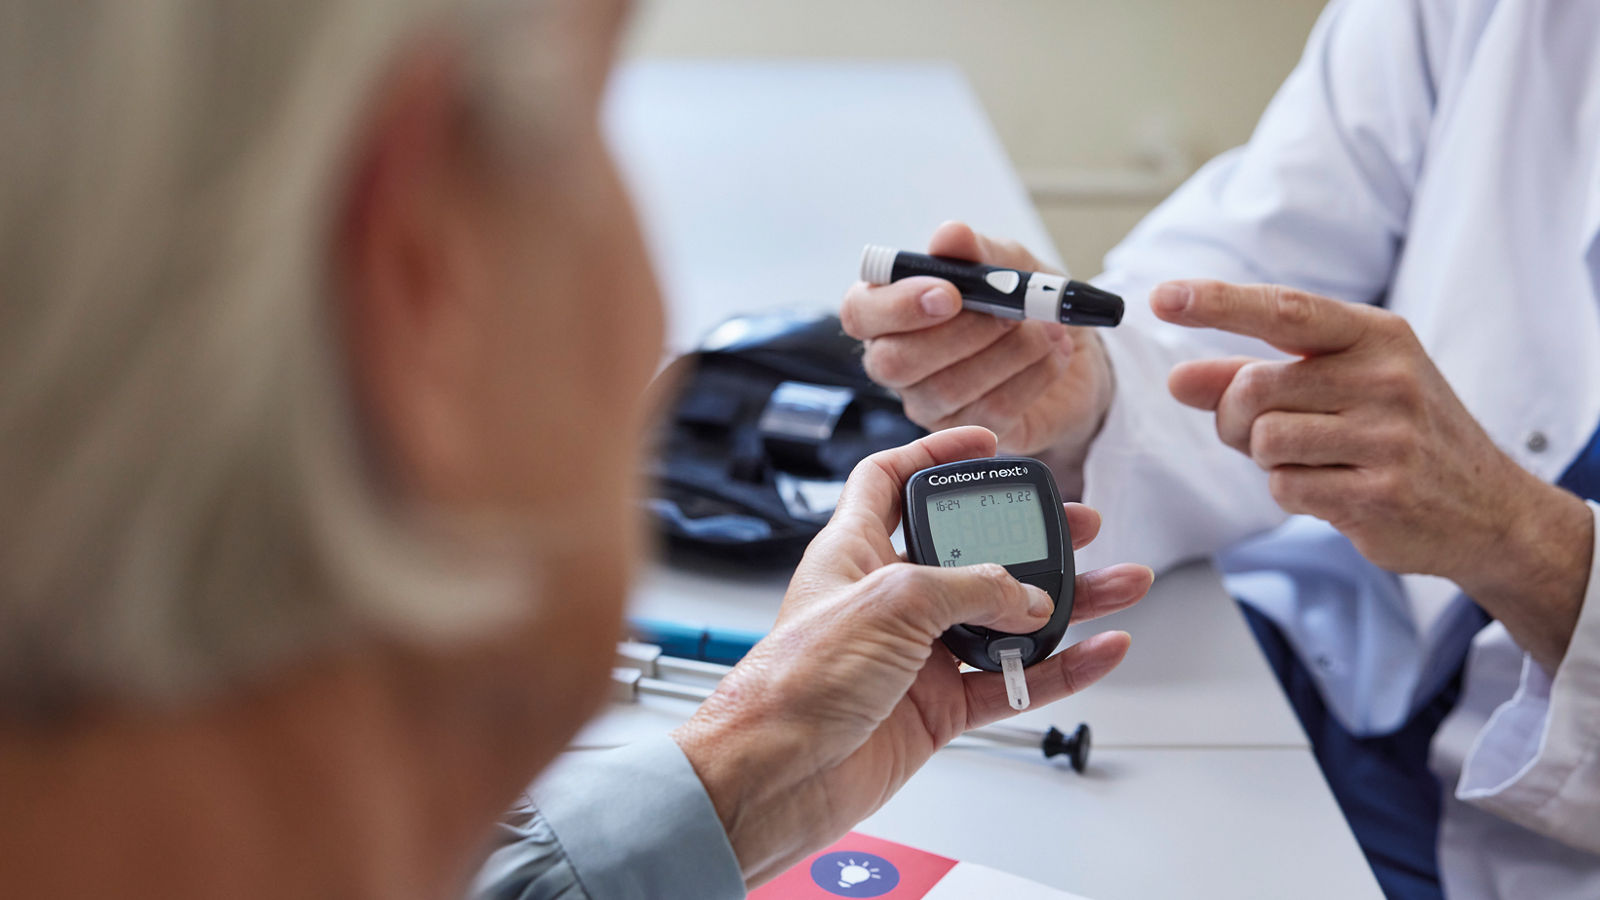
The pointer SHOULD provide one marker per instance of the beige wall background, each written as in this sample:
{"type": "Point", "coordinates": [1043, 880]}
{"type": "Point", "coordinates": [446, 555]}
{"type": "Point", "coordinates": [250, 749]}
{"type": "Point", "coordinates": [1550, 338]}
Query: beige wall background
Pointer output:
{"type": "Point", "coordinates": [1104, 105]}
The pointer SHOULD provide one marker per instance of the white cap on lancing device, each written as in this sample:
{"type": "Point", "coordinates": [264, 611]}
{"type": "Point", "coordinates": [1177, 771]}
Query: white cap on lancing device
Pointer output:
{"type": "Point", "coordinates": [998, 291]}
{"type": "Point", "coordinates": [877, 263]}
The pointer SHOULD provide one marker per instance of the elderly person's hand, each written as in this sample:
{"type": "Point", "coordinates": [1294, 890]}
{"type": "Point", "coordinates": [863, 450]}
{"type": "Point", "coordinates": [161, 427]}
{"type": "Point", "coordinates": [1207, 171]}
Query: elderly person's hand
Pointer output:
{"type": "Point", "coordinates": [1362, 430]}
{"type": "Point", "coordinates": [852, 692]}
{"type": "Point", "coordinates": [1043, 388]}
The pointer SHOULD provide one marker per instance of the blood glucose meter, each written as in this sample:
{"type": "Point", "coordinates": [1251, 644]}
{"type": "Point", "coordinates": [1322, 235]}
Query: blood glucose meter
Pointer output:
{"type": "Point", "coordinates": [1003, 510]}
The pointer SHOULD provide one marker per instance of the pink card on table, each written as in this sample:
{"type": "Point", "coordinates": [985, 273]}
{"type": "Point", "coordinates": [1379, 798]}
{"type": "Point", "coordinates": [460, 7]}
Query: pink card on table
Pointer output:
{"type": "Point", "coordinates": [859, 865]}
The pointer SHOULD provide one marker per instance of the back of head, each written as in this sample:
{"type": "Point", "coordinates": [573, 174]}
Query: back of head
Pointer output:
{"type": "Point", "coordinates": [183, 497]}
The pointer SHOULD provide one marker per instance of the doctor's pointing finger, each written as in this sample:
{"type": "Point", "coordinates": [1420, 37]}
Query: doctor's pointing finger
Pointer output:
{"type": "Point", "coordinates": [1360, 429]}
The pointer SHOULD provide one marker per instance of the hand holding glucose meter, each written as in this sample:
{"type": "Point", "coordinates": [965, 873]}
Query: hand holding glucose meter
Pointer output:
{"type": "Point", "coordinates": [1003, 510]}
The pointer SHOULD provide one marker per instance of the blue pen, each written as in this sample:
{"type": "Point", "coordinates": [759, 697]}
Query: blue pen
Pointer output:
{"type": "Point", "coordinates": [692, 641]}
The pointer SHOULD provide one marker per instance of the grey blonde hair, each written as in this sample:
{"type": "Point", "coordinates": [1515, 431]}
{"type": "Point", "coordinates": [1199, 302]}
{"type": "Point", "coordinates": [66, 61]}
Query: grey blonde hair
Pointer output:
{"type": "Point", "coordinates": [183, 495]}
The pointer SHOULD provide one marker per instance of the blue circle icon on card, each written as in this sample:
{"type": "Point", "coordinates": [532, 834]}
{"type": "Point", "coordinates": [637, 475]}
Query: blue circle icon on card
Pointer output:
{"type": "Point", "coordinates": [851, 874]}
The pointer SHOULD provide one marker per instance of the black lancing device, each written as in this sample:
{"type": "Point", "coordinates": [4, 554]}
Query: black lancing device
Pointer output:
{"type": "Point", "coordinates": [999, 291]}
{"type": "Point", "coordinates": [1003, 510]}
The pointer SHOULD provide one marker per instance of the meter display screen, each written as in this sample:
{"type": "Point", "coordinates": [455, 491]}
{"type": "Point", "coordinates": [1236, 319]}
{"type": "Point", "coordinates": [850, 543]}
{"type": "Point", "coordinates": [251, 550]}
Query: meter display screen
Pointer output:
{"type": "Point", "coordinates": [1000, 523]}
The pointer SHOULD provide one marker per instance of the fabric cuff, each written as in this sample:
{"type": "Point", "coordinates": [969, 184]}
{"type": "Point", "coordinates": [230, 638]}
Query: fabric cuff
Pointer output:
{"type": "Point", "coordinates": [1537, 761]}
{"type": "Point", "coordinates": [637, 824]}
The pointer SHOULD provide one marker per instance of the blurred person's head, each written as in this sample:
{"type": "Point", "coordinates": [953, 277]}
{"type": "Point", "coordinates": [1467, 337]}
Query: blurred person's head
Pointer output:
{"type": "Point", "coordinates": [323, 332]}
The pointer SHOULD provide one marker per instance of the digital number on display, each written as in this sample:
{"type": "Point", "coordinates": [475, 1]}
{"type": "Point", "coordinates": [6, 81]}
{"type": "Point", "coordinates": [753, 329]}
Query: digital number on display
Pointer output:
{"type": "Point", "coordinates": [954, 503]}
{"type": "Point", "coordinates": [990, 524]}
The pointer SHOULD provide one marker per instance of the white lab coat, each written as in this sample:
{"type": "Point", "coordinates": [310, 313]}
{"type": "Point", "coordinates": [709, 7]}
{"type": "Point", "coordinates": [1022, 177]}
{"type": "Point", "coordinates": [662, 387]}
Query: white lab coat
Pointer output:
{"type": "Point", "coordinates": [1443, 159]}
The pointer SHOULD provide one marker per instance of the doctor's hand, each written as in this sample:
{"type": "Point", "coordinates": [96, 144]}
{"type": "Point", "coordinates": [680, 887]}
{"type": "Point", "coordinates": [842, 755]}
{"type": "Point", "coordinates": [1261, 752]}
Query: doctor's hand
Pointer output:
{"type": "Point", "coordinates": [1042, 387]}
{"type": "Point", "coordinates": [852, 691]}
{"type": "Point", "coordinates": [1364, 432]}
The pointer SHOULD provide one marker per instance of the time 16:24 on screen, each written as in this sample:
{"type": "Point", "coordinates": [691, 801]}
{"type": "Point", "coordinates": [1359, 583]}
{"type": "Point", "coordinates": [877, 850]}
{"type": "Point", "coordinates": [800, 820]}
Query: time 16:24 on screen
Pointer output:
{"type": "Point", "coordinates": [999, 498]}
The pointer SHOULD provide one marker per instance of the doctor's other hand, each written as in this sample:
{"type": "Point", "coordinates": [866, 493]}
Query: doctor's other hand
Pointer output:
{"type": "Point", "coordinates": [852, 691]}
{"type": "Point", "coordinates": [1042, 387]}
{"type": "Point", "coordinates": [1364, 432]}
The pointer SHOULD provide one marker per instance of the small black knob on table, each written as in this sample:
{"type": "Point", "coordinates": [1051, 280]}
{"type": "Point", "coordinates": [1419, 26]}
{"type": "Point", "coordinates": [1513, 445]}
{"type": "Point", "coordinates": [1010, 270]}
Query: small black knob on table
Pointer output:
{"type": "Point", "coordinates": [1075, 748]}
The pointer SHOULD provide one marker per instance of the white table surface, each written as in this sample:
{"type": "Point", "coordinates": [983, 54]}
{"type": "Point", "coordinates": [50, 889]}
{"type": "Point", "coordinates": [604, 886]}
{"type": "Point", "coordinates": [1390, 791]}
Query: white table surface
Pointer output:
{"type": "Point", "coordinates": [757, 184]}
{"type": "Point", "coordinates": [1140, 824]}
{"type": "Point", "coordinates": [1193, 678]}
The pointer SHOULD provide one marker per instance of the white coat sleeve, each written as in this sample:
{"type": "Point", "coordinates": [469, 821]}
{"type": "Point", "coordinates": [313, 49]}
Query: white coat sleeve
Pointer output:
{"type": "Point", "coordinates": [1537, 761]}
{"type": "Point", "coordinates": [1319, 200]}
